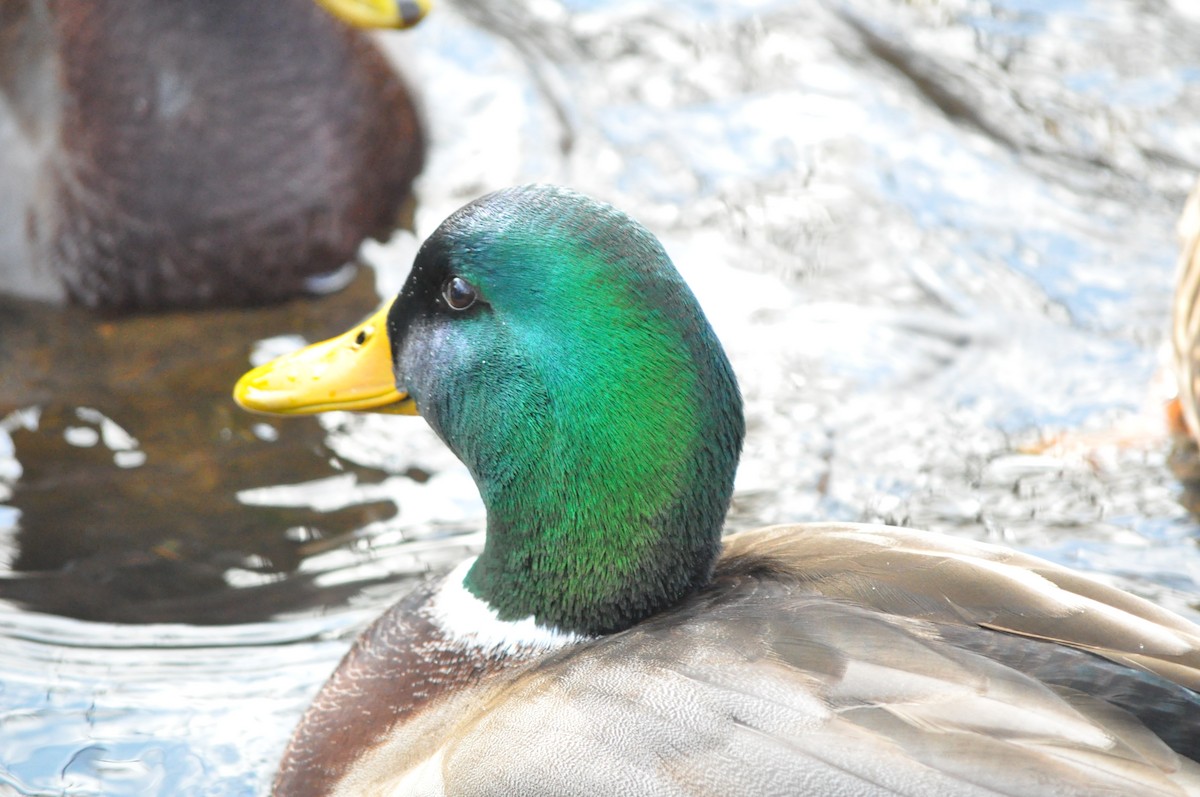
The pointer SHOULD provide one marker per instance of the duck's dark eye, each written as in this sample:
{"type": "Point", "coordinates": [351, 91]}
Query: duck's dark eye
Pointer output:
{"type": "Point", "coordinates": [458, 293]}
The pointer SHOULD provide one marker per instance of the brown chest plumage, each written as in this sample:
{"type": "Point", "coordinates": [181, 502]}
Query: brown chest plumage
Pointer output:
{"type": "Point", "coordinates": [397, 667]}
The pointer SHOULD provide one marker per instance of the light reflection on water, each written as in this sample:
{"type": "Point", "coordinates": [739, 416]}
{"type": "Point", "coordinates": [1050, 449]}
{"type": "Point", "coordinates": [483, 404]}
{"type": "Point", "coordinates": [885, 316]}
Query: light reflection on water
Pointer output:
{"type": "Point", "coordinates": [933, 235]}
{"type": "Point", "coordinates": [97, 709]}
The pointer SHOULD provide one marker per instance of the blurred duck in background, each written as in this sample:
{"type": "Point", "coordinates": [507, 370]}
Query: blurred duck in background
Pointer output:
{"type": "Point", "coordinates": [1183, 414]}
{"type": "Point", "coordinates": [178, 154]}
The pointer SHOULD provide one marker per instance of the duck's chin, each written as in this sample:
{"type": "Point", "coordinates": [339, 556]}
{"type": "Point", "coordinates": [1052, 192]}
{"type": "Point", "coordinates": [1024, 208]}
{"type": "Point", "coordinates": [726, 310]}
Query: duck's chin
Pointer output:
{"type": "Point", "coordinates": [470, 622]}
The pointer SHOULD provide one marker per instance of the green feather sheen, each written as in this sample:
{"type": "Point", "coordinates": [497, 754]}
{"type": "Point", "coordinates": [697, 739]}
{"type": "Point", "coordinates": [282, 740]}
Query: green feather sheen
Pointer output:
{"type": "Point", "coordinates": [597, 413]}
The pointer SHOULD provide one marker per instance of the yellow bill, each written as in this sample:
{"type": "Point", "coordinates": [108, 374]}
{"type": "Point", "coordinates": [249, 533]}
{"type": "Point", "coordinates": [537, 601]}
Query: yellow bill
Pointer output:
{"type": "Point", "coordinates": [350, 372]}
{"type": "Point", "coordinates": [378, 13]}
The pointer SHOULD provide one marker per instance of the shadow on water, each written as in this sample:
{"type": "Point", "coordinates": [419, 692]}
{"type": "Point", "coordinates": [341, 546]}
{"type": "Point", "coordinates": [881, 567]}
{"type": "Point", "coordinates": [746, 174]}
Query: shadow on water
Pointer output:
{"type": "Point", "coordinates": [132, 457]}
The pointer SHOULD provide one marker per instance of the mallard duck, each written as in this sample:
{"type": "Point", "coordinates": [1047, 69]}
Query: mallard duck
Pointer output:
{"type": "Point", "coordinates": [607, 640]}
{"type": "Point", "coordinates": [174, 154]}
{"type": "Point", "coordinates": [1183, 412]}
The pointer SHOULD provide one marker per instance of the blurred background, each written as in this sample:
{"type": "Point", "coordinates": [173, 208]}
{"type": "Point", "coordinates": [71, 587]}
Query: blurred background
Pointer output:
{"type": "Point", "coordinates": [937, 238]}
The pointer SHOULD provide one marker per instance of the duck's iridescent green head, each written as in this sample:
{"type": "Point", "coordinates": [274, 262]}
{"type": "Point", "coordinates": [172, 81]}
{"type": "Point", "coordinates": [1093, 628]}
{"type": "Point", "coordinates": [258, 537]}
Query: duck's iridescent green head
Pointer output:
{"type": "Point", "coordinates": [551, 343]}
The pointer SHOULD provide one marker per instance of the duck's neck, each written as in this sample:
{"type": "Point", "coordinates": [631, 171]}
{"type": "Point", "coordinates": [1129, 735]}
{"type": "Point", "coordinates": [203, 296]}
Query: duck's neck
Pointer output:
{"type": "Point", "coordinates": [606, 486]}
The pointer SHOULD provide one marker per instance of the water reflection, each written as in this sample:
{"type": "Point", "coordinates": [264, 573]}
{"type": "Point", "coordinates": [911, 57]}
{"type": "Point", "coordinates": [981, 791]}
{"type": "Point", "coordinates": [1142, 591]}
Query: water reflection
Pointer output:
{"type": "Point", "coordinates": [131, 459]}
{"type": "Point", "coordinates": [935, 237]}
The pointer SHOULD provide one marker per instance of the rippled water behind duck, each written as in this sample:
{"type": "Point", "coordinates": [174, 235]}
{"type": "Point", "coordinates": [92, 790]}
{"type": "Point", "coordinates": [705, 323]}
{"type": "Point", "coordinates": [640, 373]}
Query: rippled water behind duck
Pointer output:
{"type": "Point", "coordinates": [936, 239]}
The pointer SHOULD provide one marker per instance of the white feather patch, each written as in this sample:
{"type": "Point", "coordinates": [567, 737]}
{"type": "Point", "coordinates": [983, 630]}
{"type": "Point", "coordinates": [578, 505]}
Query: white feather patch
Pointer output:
{"type": "Point", "coordinates": [466, 619]}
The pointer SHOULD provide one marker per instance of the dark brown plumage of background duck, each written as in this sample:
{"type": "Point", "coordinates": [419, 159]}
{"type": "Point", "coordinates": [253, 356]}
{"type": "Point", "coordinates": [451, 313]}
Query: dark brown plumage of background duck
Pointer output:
{"type": "Point", "coordinates": [163, 153]}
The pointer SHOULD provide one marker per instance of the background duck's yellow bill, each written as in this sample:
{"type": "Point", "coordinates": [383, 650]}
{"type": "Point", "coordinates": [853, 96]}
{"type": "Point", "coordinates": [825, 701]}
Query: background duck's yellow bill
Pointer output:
{"type": "Point", "coordinates": [350, 372]}
{"type": "Point", "coordinates": [378, 13]}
